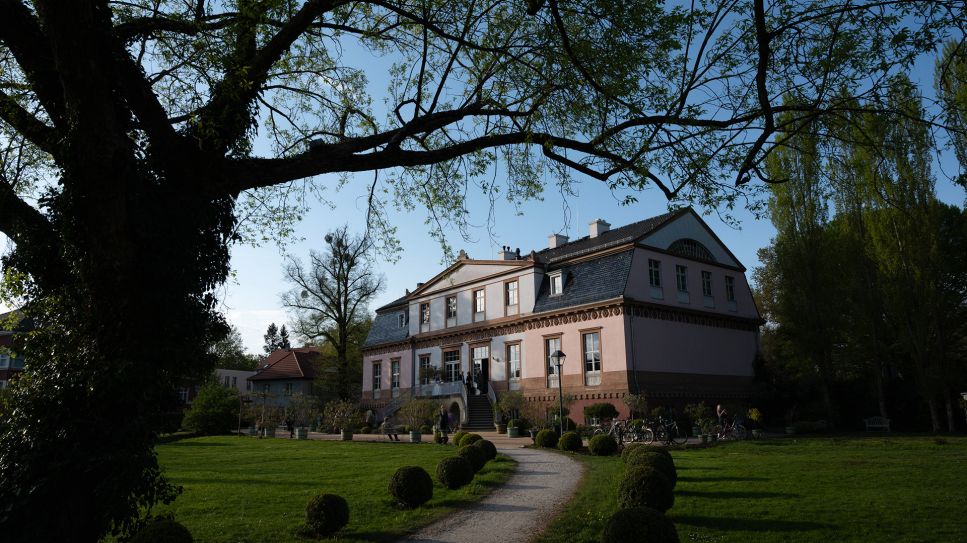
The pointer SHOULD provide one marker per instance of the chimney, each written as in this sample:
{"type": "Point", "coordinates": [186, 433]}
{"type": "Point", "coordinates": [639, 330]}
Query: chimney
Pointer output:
{"type": "Point", "coordinates": [506, 254]}
{"type": "Point", "coordinates": [555, 240]}
{"type": "Point", "coordinates": [597, 227]}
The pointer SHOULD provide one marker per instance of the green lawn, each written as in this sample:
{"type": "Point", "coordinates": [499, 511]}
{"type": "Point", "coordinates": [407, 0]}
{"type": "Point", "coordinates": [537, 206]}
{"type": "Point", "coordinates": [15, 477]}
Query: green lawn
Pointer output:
{"type": "Point", "coordinates": [814, 489]}
{"type": "Point", "coordinates": [250, 490]}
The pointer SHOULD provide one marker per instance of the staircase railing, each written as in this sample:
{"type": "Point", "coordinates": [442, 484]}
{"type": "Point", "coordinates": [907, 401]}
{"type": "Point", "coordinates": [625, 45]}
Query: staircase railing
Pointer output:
{"type": "Point", "coordinates": [492, 396]}
{"type": "Point", "coordinates": [394, 405]}
{"type": "Point", "coordinates": [465, 416]}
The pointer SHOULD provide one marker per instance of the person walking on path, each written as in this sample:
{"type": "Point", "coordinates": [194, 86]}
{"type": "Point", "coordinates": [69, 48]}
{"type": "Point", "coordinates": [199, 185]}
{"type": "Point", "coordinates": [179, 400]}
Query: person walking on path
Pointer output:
{"type": "Point", "coordinates": [444, 424]}
{"type": "Point", "coordinates": [543, 483]}
{"type": "Point", "coordinates": [388, 429]}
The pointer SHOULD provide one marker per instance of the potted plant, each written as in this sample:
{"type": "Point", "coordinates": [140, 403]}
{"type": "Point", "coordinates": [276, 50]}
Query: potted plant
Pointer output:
{"type": "Point", "coordinates": [416, 413]}
{"type": "Point", "coordinates": [698, 412]}
{"type": "Point", "coordinates": [343, 415]}
{"type": "Point", "coordinates": [499, 420]}
{"type": "Point", "coordinates": [512, 428]}
{"type": "Point", "coordinates": [755, 416]}
{"type": "Point", "coordinates": [705, 426]}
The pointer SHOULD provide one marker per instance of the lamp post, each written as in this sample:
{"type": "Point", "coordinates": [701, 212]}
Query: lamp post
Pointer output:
{"type": "Point", "coordinates": [558, 358]}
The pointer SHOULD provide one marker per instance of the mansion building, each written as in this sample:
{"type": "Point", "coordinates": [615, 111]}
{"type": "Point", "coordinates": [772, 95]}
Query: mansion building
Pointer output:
{"type": "Point", "coordinates": [659, 307]}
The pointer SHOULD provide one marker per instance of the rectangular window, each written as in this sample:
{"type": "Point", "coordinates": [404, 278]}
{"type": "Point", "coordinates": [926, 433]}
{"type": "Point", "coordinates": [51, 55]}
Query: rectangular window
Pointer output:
{"type": "Point", "coordinates": [183, 395]}
{"type": "Point", "coordinates": [4, 361]}
{"type": "Point", "coordinates": [730, 288]}
{"type": "Point", "coordinates": [17, 363]}
{"type": "Point", "coordinates": [706, 283]}
{"type": "Point", "coordinates": [425, 369]}
{"type": "Point", "coordinates": [557, 284]}
{"type": "Point", "coordinates": [452, 307]}
{"type": "Point", "coordinates": [654, 273]}
{"type": "Point", "coordinates": [511, 293]}
{"type": "Point", "coordinates": [248, 385]}
{"type": "Point", "coordinates": [266, 388]}
{"type": "Point", "coordinates": [592, 351]}
{"type": "Point", "coordinates": [425, 313]}
{"type": "Point", "coordinates": [395, 373]}
{"type": "Point", "coordinates": [402, 319]}
{"type": "Point", "coordinates": [288, 389]}
{"type": "Point", "coordinates": [226, 381]}
{"type": "Point", "coordinates": [377, 370]}
{"type": "Point", "coordinates": [234, 382]}
{"type": "Point", "coordinates": [480, 357]}
{"type": "Point", "coordinates": [513, 361]}
{"type": "Point", "coordinates": [681, 278]}
{"type": "Point", "coordinates": [551, 345]}
{"type": "Point", "coordinates": [451, 365]}
{"type": "Point", "coordinates": [479, 301]}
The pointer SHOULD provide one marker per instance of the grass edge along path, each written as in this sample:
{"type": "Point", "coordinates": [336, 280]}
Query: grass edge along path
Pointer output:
{"type": "Point", "coordinates": [242, 489]}
{"type": "Point", "coordinates": [816, 489]}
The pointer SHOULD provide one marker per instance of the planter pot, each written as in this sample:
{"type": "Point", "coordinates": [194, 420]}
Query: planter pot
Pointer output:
{"type": "Point", "coordinates": [415, 437]}
{"type": "Point", "coordinates": [302, 433]}
{"type": "Point", "coordinates": [790, 430]}
{"type": "Point", "coordinates": [696, 431]}
{"type": "Point", "coordinates": [501, 428]}
{"type": "Point", "coordinates": [513, 432]}
{"type": "Point", "coordinates": [347, 435]}
{"type": "Point", "coordinates": [704, 438]}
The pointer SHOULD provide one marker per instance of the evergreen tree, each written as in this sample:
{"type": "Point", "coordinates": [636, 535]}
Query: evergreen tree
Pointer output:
{"type": "Point", "coordinates": [272, 339]}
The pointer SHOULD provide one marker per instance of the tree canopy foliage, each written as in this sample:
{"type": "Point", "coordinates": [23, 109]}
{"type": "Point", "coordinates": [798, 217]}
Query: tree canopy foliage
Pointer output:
{"type": "Point", "coordinates": [129, 164]}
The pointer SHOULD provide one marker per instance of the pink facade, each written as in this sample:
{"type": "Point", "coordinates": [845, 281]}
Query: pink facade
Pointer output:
{"type": "Point", "coordinates": [658, 307]}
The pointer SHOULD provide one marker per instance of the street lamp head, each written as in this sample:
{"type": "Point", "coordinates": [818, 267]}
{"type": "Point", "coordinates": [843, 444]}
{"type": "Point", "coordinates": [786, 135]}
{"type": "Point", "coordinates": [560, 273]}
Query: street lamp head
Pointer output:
{"type": "Point", "coordinates": [558, 357]}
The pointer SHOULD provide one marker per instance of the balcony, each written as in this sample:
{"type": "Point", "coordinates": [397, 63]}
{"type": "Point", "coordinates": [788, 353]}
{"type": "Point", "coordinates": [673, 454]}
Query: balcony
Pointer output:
{"type": "Point", "coordinates": [443, 388]}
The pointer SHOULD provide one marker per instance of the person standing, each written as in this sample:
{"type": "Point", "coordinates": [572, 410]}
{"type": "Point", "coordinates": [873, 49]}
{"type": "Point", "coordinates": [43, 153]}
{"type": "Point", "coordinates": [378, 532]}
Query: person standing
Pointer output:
{"type": "Point", "coordinates": [444, 424]}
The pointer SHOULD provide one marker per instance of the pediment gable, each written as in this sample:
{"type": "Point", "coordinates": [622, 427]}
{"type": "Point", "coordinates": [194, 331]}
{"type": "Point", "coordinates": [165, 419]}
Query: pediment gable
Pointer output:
{"type": "Point", "coordinates": [468, 271]}
{"type": "Point", "coordinates": [684, 229]}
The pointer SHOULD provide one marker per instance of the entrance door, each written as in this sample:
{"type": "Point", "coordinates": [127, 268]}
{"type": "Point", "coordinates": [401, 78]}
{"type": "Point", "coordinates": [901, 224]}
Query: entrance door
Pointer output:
{"type": "Point", "coordinates": [481, 367]}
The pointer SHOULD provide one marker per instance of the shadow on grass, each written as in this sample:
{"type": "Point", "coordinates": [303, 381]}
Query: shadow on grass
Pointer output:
{"type": "Point", "coordinates": [734, 494]}
{"type": "Point", "coordinates": [719, 479]}
{"type": "Point", "coordinates": [750, 525]}
{"type": "Point", "coordinates": [244, 482]}
{"type": "Point", "coordinates": [183, 443]}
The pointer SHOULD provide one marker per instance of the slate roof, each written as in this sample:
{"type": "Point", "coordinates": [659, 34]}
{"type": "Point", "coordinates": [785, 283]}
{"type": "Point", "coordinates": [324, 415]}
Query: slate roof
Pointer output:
{"type": "Point", "coordinates": [399, 301]}
{"type": "Point", "coordinates": [589, 281]}
{"type": "Point", "coordinates": [288, 364]}
{"type": "Point", "coordinates": [386, 329]}
{"type": "Point", "coordinates": [618, 236]}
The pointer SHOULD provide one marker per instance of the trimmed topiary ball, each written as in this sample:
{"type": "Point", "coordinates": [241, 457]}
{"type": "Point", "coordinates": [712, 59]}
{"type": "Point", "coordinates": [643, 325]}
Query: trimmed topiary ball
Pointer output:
{"type": "Point", "coordinates": [603, 445]}
{"type": "Point", "coordinates": [570, 441]}
{"type": "Point", "coordinates": [457, 437]}
{"type": "Point", "coordinates": [326, 514]}
{"type": "Point", "coordinates": [475, 455]}
{"type": "Point", "coordinates": [425, 430]}
{"type": "Point", "coordinates": [163, 530]}
{"type": "Point", "coordinates": [470, 439]}
{"type": "Point", "coordinates": [645, 487]}
{"type": "Point", "coordinates": [636, 448]}
{"type": "Point", "coordinates": [639, 525]}
{"type": "Point", "coordinates": [488, 447]}
{"type": "Point", "coordinates": [657, 460]}
{"type": "Point", "coordinates": [454, 472]}
{"type": "Point", "coordinates": [411, 486]}
{"type": "Point", "coordinates": [546, 438]}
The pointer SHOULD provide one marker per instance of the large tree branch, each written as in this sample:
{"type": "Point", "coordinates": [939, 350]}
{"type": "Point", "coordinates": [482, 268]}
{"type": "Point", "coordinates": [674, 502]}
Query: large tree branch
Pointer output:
{"type": "Point", "coordinates": [226, 114]}
{"type": "Point", "coordinates": [20, 31]}
{"type": "Point", "coordinates": [27, 125]}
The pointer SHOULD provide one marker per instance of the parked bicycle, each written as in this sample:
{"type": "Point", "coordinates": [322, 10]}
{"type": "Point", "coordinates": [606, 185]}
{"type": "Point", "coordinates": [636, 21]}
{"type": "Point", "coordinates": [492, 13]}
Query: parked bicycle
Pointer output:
{"type": "Point", "coordinates": [618, 430]}
{"type": "Point", "coordinates": [664, 431]}
{"type": "Point", "coordinates": [731, 430]}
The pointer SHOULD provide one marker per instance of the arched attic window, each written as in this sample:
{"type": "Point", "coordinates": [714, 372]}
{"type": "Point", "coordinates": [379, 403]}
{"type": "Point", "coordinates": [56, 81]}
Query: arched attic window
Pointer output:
{"type": "Point", "coordinates": [689, 248]}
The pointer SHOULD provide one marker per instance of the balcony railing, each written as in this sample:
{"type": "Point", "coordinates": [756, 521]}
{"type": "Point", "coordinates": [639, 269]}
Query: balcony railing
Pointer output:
{"type": "Point", "coordinates": [443, 388]}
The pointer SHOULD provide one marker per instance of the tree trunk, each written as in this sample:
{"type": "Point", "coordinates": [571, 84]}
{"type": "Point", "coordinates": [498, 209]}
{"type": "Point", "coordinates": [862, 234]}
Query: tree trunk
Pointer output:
{"type": "Point", "coordinates": [951, 425]}
{"type": "Point", "coordinates": [934, 414]}
{"type": "Point", "coordinates": [881, 392]}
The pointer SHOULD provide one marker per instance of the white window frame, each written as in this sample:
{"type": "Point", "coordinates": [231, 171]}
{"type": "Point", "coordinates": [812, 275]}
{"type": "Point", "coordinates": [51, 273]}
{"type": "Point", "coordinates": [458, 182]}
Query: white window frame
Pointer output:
{"type": "Point", "coordinates": [401, 319]}
{"type": "Point", "coordinates": [425, 313]}
{"type": "Point", "coordinates": [425, 365]}
{"type": "Point", "coordinates": [654, 272]}
{"type": "Point", "coordinates": [509, 300]}
{"type": "Point", "coordinates": [513, 361]}
{"type": "Point", "coordinates": [551, 345]}
{"type": "Point", "coordinates": [557, 283]}
{"type": "Point", "coordinates": [451, 365]}
{"type": "Point", "coordinates": [479, 301]}
{"type": "Point", "coordinates": [394, 373]}
{"type": "Point", "coordinates": [451, 309]}
{"type": "Point", "coordinates": [729, 288]}
{"type": "Point", "coordinates": [4, 361]}
{"type": "Point", "coordinates": [591, 358]}
{"type": "Point", "coordinates": [681, 277]}
{"type": "Point", "coordinates": [377, 375]}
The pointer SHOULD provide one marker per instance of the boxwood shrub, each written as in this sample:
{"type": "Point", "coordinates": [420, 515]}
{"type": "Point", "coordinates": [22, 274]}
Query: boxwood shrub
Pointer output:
{"type": "Point", "coordinates": [657, 460]}
{"type": "Point", "coordinates": [454, 472]}
{"type": "Point", "coordinates": [645, 487]}
{"type": "Point", "coordinates": [569, 441]}
{"type": "Point", "coordinates": [411, 486]}
{"type": "Point", "coordinates": [326, 514]}
{"type": "Point", "coordinates": [488, 447]}
{"type": "Point", "coordinates": [639, 525]}
{"type": "Point", "coordinates": [475, 455]}
{"type": "Point", "coordinates": [603, 445]}
{"type": "Point", "coordinates": [470, 439]}
{"type": "Point", "coordinates": [163, 530]}
{"type": "Point", "coordinates": [546, 438]}
{"type": "Point", "coordinates": [457, 437]}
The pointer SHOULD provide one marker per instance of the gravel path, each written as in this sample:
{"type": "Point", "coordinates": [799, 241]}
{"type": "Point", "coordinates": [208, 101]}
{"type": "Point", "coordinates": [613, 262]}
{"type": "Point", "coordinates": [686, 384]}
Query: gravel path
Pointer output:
{"type": "Point", "coordinates": [515, 512]}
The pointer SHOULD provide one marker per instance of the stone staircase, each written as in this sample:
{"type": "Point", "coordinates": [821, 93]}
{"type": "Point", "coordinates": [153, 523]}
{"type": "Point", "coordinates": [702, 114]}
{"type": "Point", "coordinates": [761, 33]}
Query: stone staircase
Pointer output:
{"type": "Point", "coordinates": [480, 414]}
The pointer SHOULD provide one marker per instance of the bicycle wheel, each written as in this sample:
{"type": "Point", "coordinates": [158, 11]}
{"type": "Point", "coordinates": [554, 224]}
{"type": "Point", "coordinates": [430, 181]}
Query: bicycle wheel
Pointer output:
{"type": "Point", "coordinates": [647, 436]}
{"type": "Point", "coordinates": [739, 432]}
{"type": "Point", "coordinates": [677, 436]}
{"type": "Point", "coordinates": [597, 432]}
